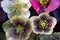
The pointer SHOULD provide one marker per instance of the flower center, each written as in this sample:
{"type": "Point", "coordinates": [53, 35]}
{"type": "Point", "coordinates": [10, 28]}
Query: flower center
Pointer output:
{"type": "Point", "coordinates": [43, 1]}
{"type": "Point", "coordinates": [19, 29]}
{"type": "Point", "coordinates": [42, 24]}
{"type": "Point", "coordinates": [17, 8]}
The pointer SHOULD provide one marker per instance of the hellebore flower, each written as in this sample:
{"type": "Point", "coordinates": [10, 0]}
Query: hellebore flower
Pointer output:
{"type": "Point", "coordinates": [17, 28]}
{"type": "Point", "coordinates": [44, 5]}
{"type": "Point", "coordinates": [43, 24]}
{"type": "Point", "coordinates": [57, 14]}
{"type": "Point", "coordinates": [16, 7]}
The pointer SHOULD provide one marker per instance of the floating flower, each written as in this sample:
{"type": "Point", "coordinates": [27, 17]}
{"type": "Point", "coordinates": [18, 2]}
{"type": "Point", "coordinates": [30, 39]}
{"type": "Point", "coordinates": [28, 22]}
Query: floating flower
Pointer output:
{"type": "Point", "coordinates": [43, 24]}
{"type": "Point", "coordinates": [17, 28]}
{"type": "Point", "coordinates": [57, 14]}
{"type": "Point", "coordinates": [44, 5]}
{"type": "Point", "coordinates": [16, 7]}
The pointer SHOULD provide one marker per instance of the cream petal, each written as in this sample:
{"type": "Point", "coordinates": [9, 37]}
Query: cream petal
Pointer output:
{"type": "Point", "coordinates": [44, 13]}
{"type": "Point", "coordinates": [7, 36]}
{"type": "Point", "coordinates": [8, 16]}
{"type": "Point", "coordinates": [24, 1]}
{"type": "Point", "coordinates": [10, 38]}
{"type": "Point", "coordinates": [26, 14]}
{"type": "Point", "coordinates": [6, 6]}
{"type": "Point", "coordinates": [49, 32]}
{"type": "Point", "coordinates": [33, 18]}
{"type": "Point", "coordinates": [26, 8]}
{"type": "Point", "coordinates": [32, 21]}
{"type": "Point", "coordinates": [54, 22]}
{"type": "Point", "coordinates": [36, 32]}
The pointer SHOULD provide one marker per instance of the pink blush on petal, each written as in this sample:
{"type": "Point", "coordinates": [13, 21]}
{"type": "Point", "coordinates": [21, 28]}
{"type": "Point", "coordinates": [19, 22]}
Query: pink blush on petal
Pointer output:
{"type": "Point", "coordinates": [59, 2]}
{"type": "Point", "coordinates": [52, 6]}
{"type": "Point", "coordinates": [35, 4]}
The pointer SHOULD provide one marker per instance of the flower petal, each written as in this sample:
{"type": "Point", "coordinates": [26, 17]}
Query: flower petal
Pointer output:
{"type": "Point", "coordinates": [8, 37]}
{"type": "Point", "coordinates": [44, 16]}
{"type": "Point", "coordinates": [54, 22]}
{"type": "Point", "coordinates": [26, 14]}
{"type": "Point", "coordinates": [36, 5]}
{"type": "Point", "coordinates": [52, 6]}
{"type": "Point", "coordinates": [49, 32]}
{"type": "Point", "coordinates": [24, 1]}
{"type": "Point", "coordinates": [6, 5]}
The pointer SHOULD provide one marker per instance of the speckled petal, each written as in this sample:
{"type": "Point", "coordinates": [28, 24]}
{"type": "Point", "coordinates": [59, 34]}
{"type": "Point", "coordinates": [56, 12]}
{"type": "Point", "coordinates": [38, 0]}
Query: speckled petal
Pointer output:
{"type": "Point", "coordinates": [36, 21]}
{"type": "Point", "coordinates": [49, 32]}
{"type": "Point", "coordinates": [44, 16]}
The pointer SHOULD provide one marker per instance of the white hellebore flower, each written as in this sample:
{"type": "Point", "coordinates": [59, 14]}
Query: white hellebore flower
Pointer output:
{"type": "Point", "coordinates": [16, 7]}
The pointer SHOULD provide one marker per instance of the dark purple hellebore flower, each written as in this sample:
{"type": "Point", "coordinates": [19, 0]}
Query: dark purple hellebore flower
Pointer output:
{"type": "Point", "coordinates": [43, 24]}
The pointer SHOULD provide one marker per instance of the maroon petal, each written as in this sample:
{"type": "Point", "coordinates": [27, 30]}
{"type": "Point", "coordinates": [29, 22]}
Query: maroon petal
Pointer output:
{"type": "Point", "coordinates": [27, 28]}
{"type": "Point", "coordinates": [12, 33]}
{"type": "Point", "coordinates": [19, 22]}
{"type": "Point", "coordinates": [49, 21]}
{"type": "Point", "coordinates": [36, 21]}
{"type": "Point", "coordinates": [46, 29]}
{"type": "Point", "coordinates": [37, 29]}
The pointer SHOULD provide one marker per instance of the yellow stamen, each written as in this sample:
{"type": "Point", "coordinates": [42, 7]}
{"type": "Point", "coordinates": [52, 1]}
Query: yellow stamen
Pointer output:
{"type": "Point", "coordinates": [43, 1]}
{"type": "Point", "coordinates": [17, 8]}
{"type": "Point", "coordinates": [42, 24]}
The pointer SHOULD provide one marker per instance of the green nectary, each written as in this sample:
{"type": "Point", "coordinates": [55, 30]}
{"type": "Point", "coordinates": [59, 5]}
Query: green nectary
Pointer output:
{"type": "Point", "coordinates": [42, 24]}
{"type": "Point", "coordinates": [19, 29]}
